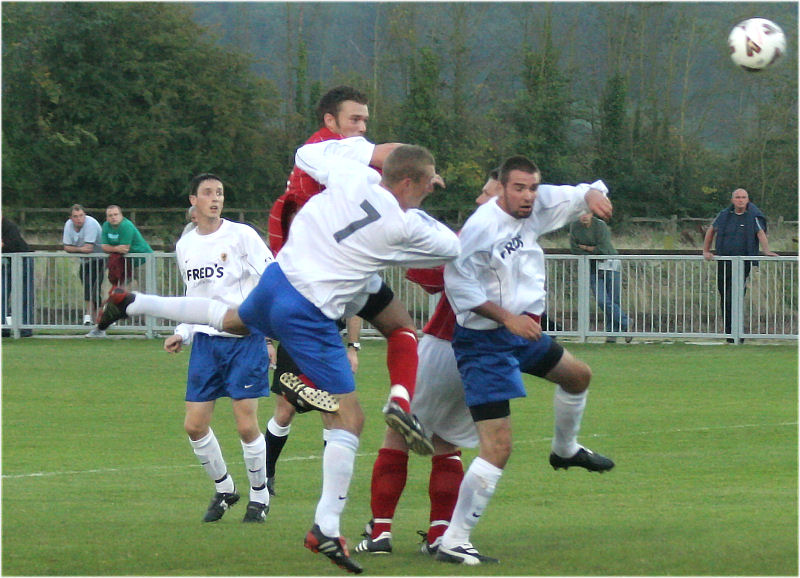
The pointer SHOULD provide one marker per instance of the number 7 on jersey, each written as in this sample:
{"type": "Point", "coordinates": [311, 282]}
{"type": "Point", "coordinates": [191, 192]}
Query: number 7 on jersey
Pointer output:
{"type": "Point", "coordinates": [372, 216]}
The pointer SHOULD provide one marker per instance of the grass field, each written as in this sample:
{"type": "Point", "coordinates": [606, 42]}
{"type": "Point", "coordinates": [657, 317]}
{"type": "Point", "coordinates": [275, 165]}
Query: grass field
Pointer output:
{"type": "Point", "coordinates": [99, 479]}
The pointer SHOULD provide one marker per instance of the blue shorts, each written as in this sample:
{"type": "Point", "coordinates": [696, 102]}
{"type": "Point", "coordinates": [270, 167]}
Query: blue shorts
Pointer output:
{"type": "Point", "coordinates": [228, 367]}
{"type": "Point", "coordinates": [491, 362]}
{"type": "Point", "coordinates": [277, 309]}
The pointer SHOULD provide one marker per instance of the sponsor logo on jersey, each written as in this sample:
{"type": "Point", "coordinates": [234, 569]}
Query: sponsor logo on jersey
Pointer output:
{"type": "Point", "coordinates": [199, 273]}
{"type": "Point", "coordinates": [511, 246]}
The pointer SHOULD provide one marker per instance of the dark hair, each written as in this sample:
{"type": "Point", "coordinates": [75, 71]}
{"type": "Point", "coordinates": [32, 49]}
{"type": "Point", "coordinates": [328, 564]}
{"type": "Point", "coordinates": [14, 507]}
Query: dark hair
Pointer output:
{"type": "Point", "coordinates": [494, 173]}
{"type": "Point", "coordinates": [331, 101]}
{"type": "Point", "coordinates": [76, 207]}
{"type": "Point", "coordinates": [516, 163]}
{"type": "Point", "coordinates": [406, 162]}
{"type": "Point", "coordinates": [195, 184]}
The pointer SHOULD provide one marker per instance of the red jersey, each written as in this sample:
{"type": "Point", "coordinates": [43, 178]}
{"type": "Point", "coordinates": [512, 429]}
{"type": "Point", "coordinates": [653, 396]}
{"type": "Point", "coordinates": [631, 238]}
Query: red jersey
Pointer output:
{"type": "Point", "coordinates": [299, 189]}
{"type": "Point", "coordinates": [443, 322]}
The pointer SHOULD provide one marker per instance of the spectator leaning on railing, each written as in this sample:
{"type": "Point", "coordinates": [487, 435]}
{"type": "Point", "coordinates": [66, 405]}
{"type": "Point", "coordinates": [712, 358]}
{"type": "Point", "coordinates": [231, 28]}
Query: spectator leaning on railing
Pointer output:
{"type": "Point", "coordinates": [82, 235]}
{"type": "Point", "coordinates": [740, 228]}
{"type": "Point", "coordinates": [120, 237]}
{"type": "Point", "coordinates": [591, 236]}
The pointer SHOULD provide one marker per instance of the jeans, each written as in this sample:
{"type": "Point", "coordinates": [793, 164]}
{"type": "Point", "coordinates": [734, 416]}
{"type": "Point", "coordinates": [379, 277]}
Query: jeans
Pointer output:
{"type": "Point", "coordinates": [607, 287]}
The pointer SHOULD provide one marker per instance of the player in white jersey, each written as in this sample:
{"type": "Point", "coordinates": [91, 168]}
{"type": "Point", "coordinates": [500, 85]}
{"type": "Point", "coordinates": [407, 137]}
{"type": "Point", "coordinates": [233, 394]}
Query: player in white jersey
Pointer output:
{"type": "Point", "coordinates": [439, 405]}
{"type": "Point", "coordinates": [223, 260]}
{"type": "Point", "coordinates": [497, 289]}
{"type": "Point", "coordinates": [339, 242]}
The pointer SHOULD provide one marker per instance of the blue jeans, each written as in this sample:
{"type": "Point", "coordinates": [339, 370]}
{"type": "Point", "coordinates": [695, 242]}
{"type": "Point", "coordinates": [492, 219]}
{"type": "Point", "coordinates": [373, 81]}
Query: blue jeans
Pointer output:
{"type": "Point", "coordinates": [607, 286]}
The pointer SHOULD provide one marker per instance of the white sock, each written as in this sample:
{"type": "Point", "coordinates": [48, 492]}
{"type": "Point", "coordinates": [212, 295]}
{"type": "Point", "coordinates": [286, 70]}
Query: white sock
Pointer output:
{"type": "Point", "coordinates": [278, 430]}
{"type": "Point", "coordinates": [568, 413]}
{"type": "Point", "coordinates": [255, 460]}
{"type": "Point", "coordinates": [338, 460]}
{"type": "Point", "coordinates": [209, 453]}
{"type": "Point", "coordinates": [199, 310]}
{"type": "Point", "coordinates": [477, 488]}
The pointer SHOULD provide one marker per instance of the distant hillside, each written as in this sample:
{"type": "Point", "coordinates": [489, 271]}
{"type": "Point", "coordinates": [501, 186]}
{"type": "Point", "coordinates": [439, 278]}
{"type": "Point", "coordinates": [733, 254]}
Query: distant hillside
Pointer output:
{"type": "Point", "coordinates": [648, 40]}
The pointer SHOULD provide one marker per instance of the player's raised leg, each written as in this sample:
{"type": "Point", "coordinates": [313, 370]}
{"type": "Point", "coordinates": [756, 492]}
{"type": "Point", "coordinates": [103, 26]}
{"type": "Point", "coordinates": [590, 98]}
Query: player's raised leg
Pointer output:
{"type": "Point", "coordinates": [572, 377]}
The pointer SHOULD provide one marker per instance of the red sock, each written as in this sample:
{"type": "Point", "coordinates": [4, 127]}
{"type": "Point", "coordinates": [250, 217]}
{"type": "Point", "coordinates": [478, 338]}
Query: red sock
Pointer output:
{"type": "Point", "coordinates": [447, 471]}
{"type": "Point", "coordinates": [307, 380]}
{"type": "Point", "coordinates": [402, 360]}
{"type": "Point", "coordinates": [388, 480]}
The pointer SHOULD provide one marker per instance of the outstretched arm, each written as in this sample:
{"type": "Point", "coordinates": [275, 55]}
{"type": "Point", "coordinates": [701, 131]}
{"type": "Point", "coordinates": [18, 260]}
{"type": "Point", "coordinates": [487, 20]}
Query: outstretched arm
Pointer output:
{"type": "Point", "coordinates": [599, 204]}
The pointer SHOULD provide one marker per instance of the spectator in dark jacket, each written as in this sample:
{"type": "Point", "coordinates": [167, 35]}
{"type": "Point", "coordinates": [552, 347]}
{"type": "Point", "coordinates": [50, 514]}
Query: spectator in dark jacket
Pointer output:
{"type": "Point", "coordinates": [740, 228]}
{"type": "Point", "coordinates": [14, 243]}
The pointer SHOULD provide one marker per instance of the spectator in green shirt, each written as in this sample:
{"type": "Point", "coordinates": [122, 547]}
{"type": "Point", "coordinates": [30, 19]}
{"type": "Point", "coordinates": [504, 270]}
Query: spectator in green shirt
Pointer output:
{"type": "Point", "coordinates": [119, 238]}
{"type": "Point", "coordinates": [591, 236]}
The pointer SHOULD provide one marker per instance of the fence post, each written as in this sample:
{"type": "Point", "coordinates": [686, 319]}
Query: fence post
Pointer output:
{"type": "Point", "coordinates": [150, 288]}
{"type": "Point", "coordinates": [16, 294]}
{"type": "Point", "coordinates": [583, 297]}
{"type": "Point", "coordinates": [737, 298]}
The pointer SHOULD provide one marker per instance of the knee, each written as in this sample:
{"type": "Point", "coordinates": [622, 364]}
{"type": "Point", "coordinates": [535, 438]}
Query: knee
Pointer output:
{"type": "Point", "coordinates": [497, 452]}
{"type": "Point", "coordinates": [579, 380]}
{"type": "Point", "coordinates": [195, 429]}
{"type": "Point", "coordinates": [284, 412]}
{"type": "Point", "coordinates": [249, 432]}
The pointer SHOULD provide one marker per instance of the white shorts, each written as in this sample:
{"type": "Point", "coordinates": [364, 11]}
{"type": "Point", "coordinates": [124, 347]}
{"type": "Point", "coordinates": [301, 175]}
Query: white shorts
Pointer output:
{"type": "Point", "coordinates": [439, 397]}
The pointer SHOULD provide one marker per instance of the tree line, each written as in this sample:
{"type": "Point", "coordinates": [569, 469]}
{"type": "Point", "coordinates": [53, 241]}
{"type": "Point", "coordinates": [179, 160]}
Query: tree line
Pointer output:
{"type": "Point", "coordinates": [123, 102]}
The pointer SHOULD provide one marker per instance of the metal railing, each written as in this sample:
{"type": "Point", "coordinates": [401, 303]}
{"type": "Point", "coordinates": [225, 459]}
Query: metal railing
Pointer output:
{"type": "Point", "coordinates": [662, 296]}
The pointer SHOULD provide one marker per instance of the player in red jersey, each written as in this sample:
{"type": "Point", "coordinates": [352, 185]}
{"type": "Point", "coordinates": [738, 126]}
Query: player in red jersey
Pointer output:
{"type": "Point", "coordinates": [439, 405]}
{"type": "Point", "coordinates": [342, 112]}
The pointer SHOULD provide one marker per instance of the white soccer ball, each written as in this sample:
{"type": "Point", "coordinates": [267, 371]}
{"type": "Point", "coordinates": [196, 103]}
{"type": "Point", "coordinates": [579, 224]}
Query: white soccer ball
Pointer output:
{"type": "Point", "coordinates": [756, 44]}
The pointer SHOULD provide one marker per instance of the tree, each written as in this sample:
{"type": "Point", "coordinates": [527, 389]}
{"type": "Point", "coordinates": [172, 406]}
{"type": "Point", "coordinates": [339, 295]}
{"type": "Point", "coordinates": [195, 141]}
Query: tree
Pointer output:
{"type": "Point", "coordinates": [540, 112]}
{"type": "Point", "coordinates": [123, 103]}
{"type": "Point", "coordinates": [766, 162]}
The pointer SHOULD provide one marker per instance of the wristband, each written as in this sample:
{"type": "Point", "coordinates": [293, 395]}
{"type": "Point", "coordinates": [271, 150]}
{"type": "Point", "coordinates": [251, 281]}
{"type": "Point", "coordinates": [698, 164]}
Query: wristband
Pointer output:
{"type": "Point", "coordinates": [355, 345]}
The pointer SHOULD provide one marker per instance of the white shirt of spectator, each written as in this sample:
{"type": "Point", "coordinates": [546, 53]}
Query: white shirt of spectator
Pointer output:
{"type": "Point", "coordinates": [89, 233]}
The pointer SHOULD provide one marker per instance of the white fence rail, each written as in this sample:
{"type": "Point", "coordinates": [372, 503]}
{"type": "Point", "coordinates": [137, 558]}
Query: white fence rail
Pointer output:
{"type": "Point", "coordinates": [673, 296]}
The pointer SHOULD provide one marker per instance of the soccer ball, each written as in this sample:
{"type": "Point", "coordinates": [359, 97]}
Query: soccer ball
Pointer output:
{"type": "Point", "coordinates": [756, 44]}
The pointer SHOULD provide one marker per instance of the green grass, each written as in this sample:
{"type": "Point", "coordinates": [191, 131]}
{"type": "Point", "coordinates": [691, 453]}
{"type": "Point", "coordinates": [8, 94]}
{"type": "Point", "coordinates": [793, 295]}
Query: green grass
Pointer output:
{"type": "Point", "coordinates": [99, 479]}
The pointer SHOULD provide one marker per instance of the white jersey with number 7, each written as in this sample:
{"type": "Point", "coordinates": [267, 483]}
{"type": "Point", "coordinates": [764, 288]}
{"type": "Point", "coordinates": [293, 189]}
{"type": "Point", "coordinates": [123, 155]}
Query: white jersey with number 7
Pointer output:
{"type": "Point", "coordinates": [354, 229]}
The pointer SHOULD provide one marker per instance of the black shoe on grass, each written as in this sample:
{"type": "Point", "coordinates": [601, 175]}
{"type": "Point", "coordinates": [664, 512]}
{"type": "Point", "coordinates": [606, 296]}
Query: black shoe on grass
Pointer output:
{"type": "Point", "coordinates": [463, 554]}
{"type": "Point", "coordinates": [583, 459]}
{"type": "Point", "coordinates": [256, 513]}
{"type": "Point", "coordinates": [333, 548]}
{"type": "Point", "coordinates": [220, 504]}
{"type": "Point", "coordinates": [380, 545]}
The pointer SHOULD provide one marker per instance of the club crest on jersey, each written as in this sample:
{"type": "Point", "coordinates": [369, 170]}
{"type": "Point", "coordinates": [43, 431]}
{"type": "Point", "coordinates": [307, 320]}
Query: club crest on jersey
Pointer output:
{"type": "Point", "coordinates": [511, 246]}
{"type": "Point", "coordinates": [224, 257]}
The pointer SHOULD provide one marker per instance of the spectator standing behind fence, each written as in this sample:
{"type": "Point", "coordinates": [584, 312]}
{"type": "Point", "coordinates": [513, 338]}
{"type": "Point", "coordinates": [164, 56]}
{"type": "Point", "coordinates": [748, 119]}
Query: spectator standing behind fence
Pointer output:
{"type": "Point", "coordinates": [120, 237]}
{"type": "Point", "coordinates": [82, 235]}
{"type": "Point", "coordinates": [14, 243]}
{"type": "Point", "coordinates": [191, 221]}
{"type": "Point", "coordinates": [740, 228]}
{"type": "Point", "coordinates": [591, 236]}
